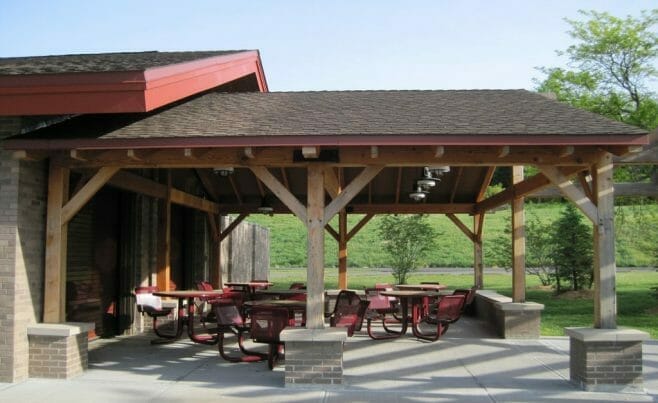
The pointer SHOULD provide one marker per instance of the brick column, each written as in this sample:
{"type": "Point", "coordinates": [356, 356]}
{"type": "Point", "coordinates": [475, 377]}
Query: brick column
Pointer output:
{"type": "Point", "coordinates": [606, 360]}
{"type": "Point", "coordinates": [22, 224]}
{"type": "Point", "coordinates": [58, 350]}
{"type": "Point", "coordinates": [314, 357]}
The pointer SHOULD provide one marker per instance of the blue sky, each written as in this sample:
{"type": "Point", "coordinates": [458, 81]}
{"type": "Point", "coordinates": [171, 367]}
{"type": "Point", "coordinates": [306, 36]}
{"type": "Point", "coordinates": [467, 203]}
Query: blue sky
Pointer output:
{"type": "Point", "coordinates": [321, 45]}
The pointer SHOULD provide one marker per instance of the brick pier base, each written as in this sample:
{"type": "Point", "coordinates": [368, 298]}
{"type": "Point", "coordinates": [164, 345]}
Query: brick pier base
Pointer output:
{"type": "Point", "coordinates": [606, 360]}
{"type": "Point", "coordinates": [58, 350]}
{"type": "Point", "coordinates": [314, 357]}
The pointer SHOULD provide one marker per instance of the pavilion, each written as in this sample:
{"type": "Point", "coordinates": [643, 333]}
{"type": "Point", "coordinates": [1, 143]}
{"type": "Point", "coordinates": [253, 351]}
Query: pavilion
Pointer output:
{"type": "Point", "coordinates": [200, 130]}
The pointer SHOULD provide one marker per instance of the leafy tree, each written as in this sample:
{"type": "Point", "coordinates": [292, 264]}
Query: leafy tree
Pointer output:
{"type": "Point", "coordinates": [613, 59]}
{"type": "Point", "coordinates": [572, 257]}
{"type": "Point", "coordinates": [407, 239]}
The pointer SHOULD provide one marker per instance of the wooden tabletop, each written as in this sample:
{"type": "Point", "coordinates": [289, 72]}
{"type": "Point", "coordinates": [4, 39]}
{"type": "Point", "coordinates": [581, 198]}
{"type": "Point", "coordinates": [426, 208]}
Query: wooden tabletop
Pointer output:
{"type": "Point", "coordinates": [276, 302]}
{"type": "Point", "coordinates": [281, 292]}
{"type": "Point", "coordinates": [410, 293]}
{"type": "Point", "coordinates": [189, 293]}
{"type": "Point", "coordinates": [421, 286]}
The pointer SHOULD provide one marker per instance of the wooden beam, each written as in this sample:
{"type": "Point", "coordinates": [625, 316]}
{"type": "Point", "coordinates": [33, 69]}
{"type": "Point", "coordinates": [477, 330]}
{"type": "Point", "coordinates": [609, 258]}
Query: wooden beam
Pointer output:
{"type": "Point", "coordinates": [439, 151]}
{"type": "Point", "coordinates": [164, 240]}
{"type": "Point", "coordinates": [281, 192]}
{"type": "Point", "coordinates": [570, 191]}
{"type": "Point", "coordinates": [455, 186]}
{"type": "Point", "coordinates": [398, 182]}
{"type": "Point", "coordinates": [350, 191]}
{"type": "Point", "coordinates": [605, 295]}
{"type": "Point", "coordinates": [413, 208]}
{"type": "Point", "coordinates": [467, 231]}
{"type": "Point", "coordinates": [54, 298]}
{"type": "Point", "coordinates": [518, 241]}
{"type": "Point", "coordinates": [332, 232]}
{"type": "Point", "coordinates": [284, 177]}
{"type": "Point", "coordinates": [249, 153]}
{"type": "Point", "coordinates": [584, 184]}
{"type": "Point", "coordinates": [566, 151]}
{"type": "Point", "coordinates": [478, 256]}
{"type": "Point", "coordinates": [315, 229]}
{"type": "Point", "coordinates": [209, 183]}
{"type": "Point", "coordinates": [77, 155]}
{"type": "Point", "coordinates": [521, 189]}
{"type": "Point", "coordinates": [350, 156]}
{"type": "Point", "coordinates": [485, 184]}
{"type": "Point", "coordinates": [88, 191]}
{"type": "Point", "coordinates": [342, 250]}
{"type": "Point", "coordinates": [227, 231]}
{"type": "Point", "coordinates": [236, 191]}
{"type": "Point", "coordinates": [331, 184]}
{"type": "Point", "coordinates": [31, 155]}
{"type": "Point", "coordinates": [355, 230]}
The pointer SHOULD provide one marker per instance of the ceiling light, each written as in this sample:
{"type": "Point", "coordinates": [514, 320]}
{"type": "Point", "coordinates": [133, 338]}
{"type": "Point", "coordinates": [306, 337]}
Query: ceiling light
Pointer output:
{"type": "Point", "coordinates": [265, 207]}
{"type": "Point", "coordinates": [427, 181]}
{"type": "Point", "coordinates": [418, 195]}
{"type": "Point", "coordinates": [223, 171]}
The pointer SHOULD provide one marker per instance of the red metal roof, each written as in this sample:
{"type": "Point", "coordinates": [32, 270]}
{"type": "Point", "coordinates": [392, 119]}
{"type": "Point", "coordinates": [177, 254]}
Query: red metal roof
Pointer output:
{"type": "Point", "coordinates": [137, 87]}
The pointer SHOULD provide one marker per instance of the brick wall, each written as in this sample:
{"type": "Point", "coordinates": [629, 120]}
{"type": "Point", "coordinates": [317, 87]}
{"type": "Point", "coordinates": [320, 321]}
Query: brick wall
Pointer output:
{"type": "Point", "coordinates": [22, 226]}
{"type": "Point", "coordinates": [58, 357]}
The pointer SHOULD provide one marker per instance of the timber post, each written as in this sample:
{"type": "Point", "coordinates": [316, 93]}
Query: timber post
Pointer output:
{"type": "Point", "coordinates": [518, 240]}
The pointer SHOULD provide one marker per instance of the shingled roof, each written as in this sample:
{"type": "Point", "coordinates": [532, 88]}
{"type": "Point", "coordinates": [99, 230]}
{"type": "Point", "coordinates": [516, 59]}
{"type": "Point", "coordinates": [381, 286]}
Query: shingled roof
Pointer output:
{"type": "Point", "coordinates": [100, 62]}
{"type": "Point", "coordinates": [466, 113]}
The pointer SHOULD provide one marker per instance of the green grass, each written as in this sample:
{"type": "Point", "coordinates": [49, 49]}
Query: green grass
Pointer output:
{"type": "Point", "coordinates": [637, 307]}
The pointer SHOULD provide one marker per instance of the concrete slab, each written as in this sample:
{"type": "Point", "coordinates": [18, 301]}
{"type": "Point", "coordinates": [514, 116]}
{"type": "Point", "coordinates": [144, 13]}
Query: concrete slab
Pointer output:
{"type": "Point", "coordinates": [466, 365]}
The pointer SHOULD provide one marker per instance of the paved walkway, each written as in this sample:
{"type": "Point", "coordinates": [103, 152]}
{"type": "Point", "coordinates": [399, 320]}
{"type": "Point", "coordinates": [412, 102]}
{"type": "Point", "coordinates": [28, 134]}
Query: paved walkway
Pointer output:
{"type": "Point", "coordinates": [466, 365]}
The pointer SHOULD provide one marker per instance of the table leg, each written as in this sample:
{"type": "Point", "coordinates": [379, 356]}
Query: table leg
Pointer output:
{"type": "Point", "coordinates": [209, 339]}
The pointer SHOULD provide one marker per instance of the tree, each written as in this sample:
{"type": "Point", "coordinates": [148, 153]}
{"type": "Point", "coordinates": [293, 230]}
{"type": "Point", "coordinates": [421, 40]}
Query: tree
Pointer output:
{"type": "Point", "coordinates": [407, 239]}
{"type": "Point", "coordinates": [612, 62]}
{"type": "Point", "coordinates": [573, 257]}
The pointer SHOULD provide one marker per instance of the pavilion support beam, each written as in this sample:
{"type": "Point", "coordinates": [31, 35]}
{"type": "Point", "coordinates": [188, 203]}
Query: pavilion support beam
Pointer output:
{"type": "Point", "coordinates": [281, 191]}
{"type": "Point", "coordinates": [215, 252]}
{"type": "Point", "coordinates": [342, 249]}
{"type": "Point", "coordinates": [80, 199]}
{"type": "Point", "coordinates": [605, 293]}
{"type": "Point", "coordinates": [54, 300]}
{"type": "Point", "coordinates": [478, 256]}
{"type": "Point", "coordinates": [355, 230]}
{"type": "Point", "coordinates": [315, 223]}
{"type": "Point", "coordinates": [164, 240]}
{"type": "Point", "coordinates": [518, 240]}
{"type": "Point", "coordinates": [351, 190]}
{"type": "Point", "coordinates": [232, 226]}
{"type": "Point", "coordinates": [470, 234]}
{"type": "Point", "coordinates": [570, 191]}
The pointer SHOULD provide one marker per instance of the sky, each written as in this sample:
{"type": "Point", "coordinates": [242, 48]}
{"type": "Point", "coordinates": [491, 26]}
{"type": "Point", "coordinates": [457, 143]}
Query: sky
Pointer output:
{"type": "Point", "coordinates": [322, 45]}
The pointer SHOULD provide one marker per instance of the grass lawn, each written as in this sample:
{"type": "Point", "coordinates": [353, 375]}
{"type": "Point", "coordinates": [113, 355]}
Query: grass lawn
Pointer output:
{"type": "Point", "coordinates": [636, 306]}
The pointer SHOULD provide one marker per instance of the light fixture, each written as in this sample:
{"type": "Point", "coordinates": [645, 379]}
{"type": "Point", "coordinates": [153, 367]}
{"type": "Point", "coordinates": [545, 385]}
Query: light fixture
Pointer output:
{"type": "Point", "coordinates": [265, 207]}
{"type": "Point", "coordinates": [427, 181]}
{"type": "Point", "coordinates": [419, 194]}
{"type": "Point", "coordinates": [223, 171]}
{"type": "Point", "coordinates": [439, 169]}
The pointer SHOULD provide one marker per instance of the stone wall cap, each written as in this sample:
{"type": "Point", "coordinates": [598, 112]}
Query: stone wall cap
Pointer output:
{"type": "Point", "coordinates": [303, 334]}
{"type": "Point", "coordinates": [519, 306]}
{"type": "Point", "coordinates": [589, 334]}
{"type": "Point", "coordinates": [59, 329]}
{"type": "Point", "coordinates": [493, 296]}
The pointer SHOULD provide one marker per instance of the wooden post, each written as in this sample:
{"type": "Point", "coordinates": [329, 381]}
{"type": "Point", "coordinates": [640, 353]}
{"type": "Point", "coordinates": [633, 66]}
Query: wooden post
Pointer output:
{"type": "Point", "coordinates": [164, 240]}
{"type": "Point", "coordinates": [315, 226]}
{"type": "Point", "coordinates": [54, 299]}
{"type": "Point", "coordinates": [342, 249]}
{"type": "Point", "coordinates": [605, 297]}
{"type": "Point", "coordinates": [518, 240]}
{"type": "Point", "coordinates": [478, 261]}
{"type": "Point", "coordinates": [215, 251]}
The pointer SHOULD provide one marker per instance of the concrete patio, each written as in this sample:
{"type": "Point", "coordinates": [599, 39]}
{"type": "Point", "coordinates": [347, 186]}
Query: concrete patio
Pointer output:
{"type": "Point", "coordinates": [466, 365]}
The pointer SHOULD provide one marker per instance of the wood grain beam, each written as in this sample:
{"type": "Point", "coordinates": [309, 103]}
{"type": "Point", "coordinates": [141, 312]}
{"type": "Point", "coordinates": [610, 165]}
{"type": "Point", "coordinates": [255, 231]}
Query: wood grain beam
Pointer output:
{"type": "Point", "coordinates": [485, 184]}
{"type": "Point", "coordinates": [280, 191]}
{"type": "Point", "coordinates": [409, 208]}
{"type": "Point", "coordinates": [209, 182]}
{"type": "Point", "coordinates": [455, 186]}
{"type": "Point", "coordinates": [350, 191]}
{"type": "Point", "coordinates": [88, 191]}
{"type": "Point", "coordinates": [570, 191]}
{"type": "Point", "coordinates": [331, 184]}
{"type": "Point", "coordinates": [227, 231]}
{"type": "Point", "coordinates": [398, 182]}
{"type": "Point", "coordinates": [355, 230]}
{"type": "Point", "coordinates": [332, 232]}
{"type": "Point", "coordinates": [521, 189]}
{"type": "Point", "coordinates": [467, 231]}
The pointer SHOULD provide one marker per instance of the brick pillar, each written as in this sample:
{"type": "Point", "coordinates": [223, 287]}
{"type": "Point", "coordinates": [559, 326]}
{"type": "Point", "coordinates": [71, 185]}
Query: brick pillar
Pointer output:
{"type": "Point", "coordinates": [606, 360]}
{"type": "Point", "coordinates": [58, 350]}
{"type": "Point", "coordinates": [314, 357]}
{"type": "Point", "coordinates": [22, 224]}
